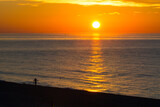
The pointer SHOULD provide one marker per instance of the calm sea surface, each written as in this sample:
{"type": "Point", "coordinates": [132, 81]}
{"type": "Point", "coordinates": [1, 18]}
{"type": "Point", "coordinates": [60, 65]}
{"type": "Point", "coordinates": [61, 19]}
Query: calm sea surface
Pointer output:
{"type": "Point", "coordinates": [129, 67]}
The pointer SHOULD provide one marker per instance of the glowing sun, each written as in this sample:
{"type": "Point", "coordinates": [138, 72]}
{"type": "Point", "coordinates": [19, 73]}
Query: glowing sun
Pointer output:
{"type": "Point", "coordinates": [96, 24]}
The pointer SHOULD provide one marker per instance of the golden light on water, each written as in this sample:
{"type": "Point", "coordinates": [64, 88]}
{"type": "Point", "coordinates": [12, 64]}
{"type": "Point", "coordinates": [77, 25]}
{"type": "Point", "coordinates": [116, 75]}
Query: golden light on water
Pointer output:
{"type": "Point", "coordinates": [98, 76]}
{"type": "Point", "coordinates": [94, 76]}
{"type": "Point", "coordinates": [96, 36]}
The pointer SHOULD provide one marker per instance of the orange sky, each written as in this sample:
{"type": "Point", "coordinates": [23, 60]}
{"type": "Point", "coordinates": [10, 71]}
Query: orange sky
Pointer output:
{"type": "Point", "coordinates": [76, 16]}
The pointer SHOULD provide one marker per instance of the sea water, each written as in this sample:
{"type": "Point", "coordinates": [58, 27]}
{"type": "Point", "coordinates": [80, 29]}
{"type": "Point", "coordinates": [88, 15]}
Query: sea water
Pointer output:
{"type": "Point", "coordinates": [127, 67]}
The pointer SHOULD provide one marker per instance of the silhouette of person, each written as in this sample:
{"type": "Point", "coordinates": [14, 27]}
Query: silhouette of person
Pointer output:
{"type": "Point", "coordinates": [35, 81]}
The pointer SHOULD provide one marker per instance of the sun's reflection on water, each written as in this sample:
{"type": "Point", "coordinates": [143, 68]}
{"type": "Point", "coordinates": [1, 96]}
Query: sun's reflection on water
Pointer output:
{"type": "Point", "coordinates": [95, 69]}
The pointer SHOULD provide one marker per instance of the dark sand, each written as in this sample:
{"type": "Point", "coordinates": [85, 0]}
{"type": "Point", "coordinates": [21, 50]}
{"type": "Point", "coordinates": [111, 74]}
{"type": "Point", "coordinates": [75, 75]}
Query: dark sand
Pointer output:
{"type": "Point", "coordinates": [23, 95]}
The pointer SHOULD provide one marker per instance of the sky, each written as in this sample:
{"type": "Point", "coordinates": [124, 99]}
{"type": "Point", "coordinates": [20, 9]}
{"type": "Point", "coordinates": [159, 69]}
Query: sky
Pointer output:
{"type": "Point", "coordinates": [77, 16]}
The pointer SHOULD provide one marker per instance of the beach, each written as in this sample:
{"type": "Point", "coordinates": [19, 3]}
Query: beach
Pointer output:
{"type": "Point", "coordinates": [25, 95]}
{"type": "Point", "coordinates": [79, 53]}
{"type": "Point", "coordinates": [127, 67]}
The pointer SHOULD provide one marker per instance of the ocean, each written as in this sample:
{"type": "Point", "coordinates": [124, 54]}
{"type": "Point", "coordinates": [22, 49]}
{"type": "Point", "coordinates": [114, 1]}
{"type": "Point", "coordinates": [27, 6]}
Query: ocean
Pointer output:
{"type": "Point", "coordinates": [120, 66]}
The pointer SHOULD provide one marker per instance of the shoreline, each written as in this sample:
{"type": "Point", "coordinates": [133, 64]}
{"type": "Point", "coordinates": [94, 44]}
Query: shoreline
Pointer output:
{"type": "Point", "coordinates": [26, 95]}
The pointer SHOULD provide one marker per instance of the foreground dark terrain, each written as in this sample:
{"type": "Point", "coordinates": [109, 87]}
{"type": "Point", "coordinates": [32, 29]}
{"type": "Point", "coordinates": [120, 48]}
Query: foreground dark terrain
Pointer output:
{"type": "Point", "coordinates": [24, 95]}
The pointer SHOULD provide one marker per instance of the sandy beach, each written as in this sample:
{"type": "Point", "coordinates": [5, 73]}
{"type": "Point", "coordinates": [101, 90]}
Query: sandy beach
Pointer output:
{"type": "Point", "coordinates": [24, 95]}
